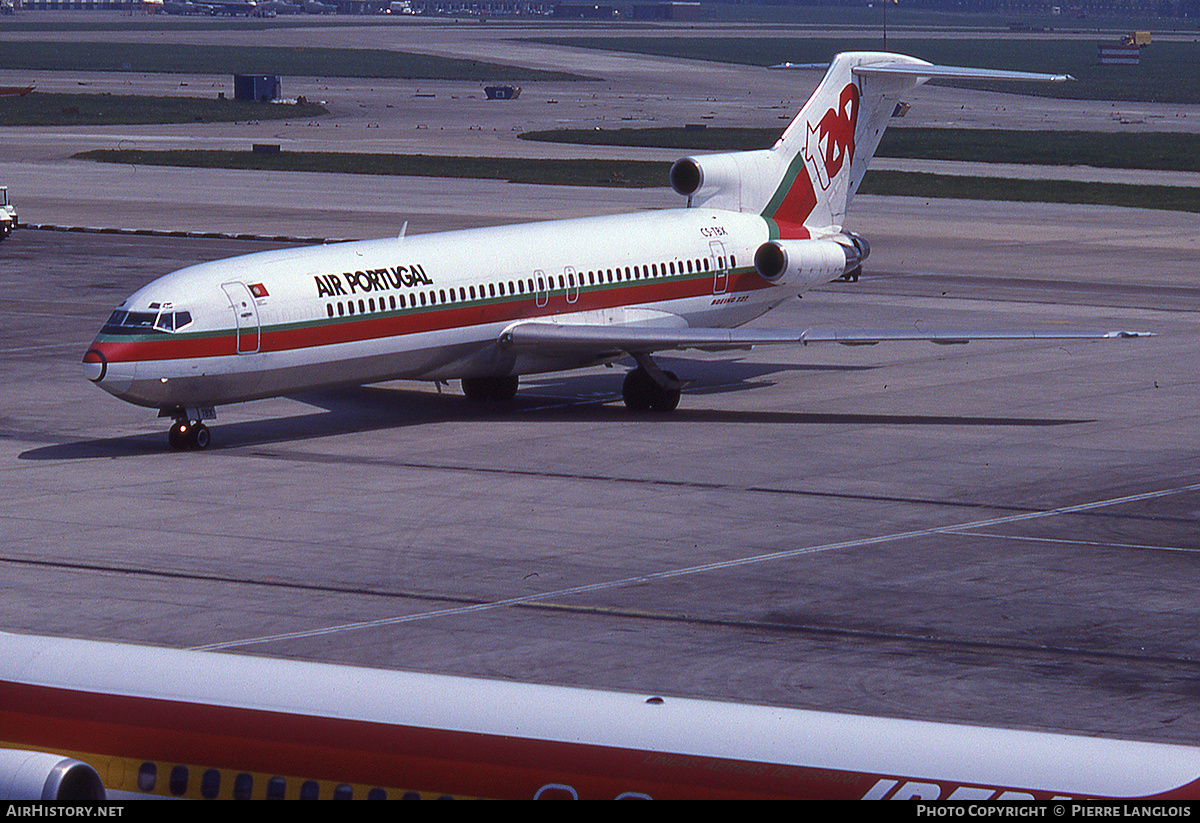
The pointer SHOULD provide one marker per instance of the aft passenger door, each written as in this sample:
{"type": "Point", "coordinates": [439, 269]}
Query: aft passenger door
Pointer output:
{"type": "Point", "coordinates": [716, 250]}
{"type": "Point", "coordinates": [245, 313]}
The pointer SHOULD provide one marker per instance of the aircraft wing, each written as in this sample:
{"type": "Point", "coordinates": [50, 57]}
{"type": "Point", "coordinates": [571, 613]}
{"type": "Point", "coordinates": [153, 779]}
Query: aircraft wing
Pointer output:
{"type": "Point", "coordinates": [531, 335]}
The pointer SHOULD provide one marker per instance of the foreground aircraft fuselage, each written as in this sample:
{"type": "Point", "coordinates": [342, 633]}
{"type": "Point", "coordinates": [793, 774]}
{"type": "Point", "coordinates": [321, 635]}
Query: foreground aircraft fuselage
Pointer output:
{"type": "Point", "coordinates": [84, 719]}
{"type": "Point", "coordinates": [488, 305]}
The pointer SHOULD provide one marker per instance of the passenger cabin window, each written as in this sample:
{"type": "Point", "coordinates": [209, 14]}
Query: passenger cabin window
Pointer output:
{"type": "Point", "coordinates": [210, 784]}
{"type": "Point", "coordinates": [147, 776]}
{"type": "Point", "coordinates": [179, 780]}
{"type": "Point", "coordinates": [243, 786]}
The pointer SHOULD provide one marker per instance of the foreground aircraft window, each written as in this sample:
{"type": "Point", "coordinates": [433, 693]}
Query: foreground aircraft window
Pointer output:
{"type": "Point", "coordinates": [501, 289]}
{"type": "Point", "coordinates": [732, 262]}
{"type": "Point", "coordinates": [371, 303]}
{"type": "Point", "coordinates": [309, 790]}
{"type": "Point", "coordinates": [210, 784]}
{"type": "Point", "coordinates": [147, 777]}
{"type": "Point", "coordinates": [276, 787]}
{"type": "Point", "coordinates": [341, 310]}
{"type": "Point", "coordinates": [492, 289]}
{"type": "Point", "coordinates": [329, 308]}
{"type": "Point", "coordinates": [442, 295]}
{"type": "Point", "coordinates": [362, 307]}
{"type": "Point", "coordinates": [392, 299]}
{"type": "Point", "coordinates": [179, 780]}
{"type": "Point", "coordinates": [403, 303]}
{"type": "Point", "coordinates": [472, 292]}
{"type": "Point", "coordinates": [350, 306]}
{"type": "Point", "coordinates": [243, 786]}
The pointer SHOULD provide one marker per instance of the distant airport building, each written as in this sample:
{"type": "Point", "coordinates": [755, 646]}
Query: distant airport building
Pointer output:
{"type": "Point", "coordinates": [667, 11]}
{"type": "Point", "coordinates": [55, 5]}
{"type": "Point", "coordinates": [261, 88]}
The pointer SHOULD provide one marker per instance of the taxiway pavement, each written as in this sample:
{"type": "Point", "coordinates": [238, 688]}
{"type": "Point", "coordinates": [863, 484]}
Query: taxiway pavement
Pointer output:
{"type": "Point", "coordinates": [998, 533]}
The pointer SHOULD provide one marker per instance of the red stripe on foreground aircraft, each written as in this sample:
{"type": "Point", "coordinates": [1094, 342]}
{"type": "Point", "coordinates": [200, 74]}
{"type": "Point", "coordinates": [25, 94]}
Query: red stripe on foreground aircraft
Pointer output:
{"type": "Point", "coordinates": [487, 305]}
{"type": "Point", "coordinates": [92, 720]}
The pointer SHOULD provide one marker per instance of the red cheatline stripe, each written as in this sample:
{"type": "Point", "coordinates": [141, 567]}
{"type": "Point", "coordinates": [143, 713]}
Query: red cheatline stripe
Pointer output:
{"type": "Point", "coordinates": [119, 348]}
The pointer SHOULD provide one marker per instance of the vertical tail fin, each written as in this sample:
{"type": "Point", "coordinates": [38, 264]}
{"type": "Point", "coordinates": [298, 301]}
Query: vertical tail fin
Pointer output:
{"type": "Point", "coordinates": [804, 183]}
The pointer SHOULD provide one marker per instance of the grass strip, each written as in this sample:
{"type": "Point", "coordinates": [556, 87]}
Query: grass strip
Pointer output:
{"type": "Point", "coordinates": [650, 174]}
{"type": "Point", "coordinates": [1160, 76]}
{"type": "Point", "coordinates": [610, 173]}
{"type": "Point", "coordinates": [921, 184]}
{"type": "Point", "coordinates": [1167, 151]}
{"type": "Point", "coordinates": [300, 61]}
{"type": "Point", "coordinates": [38, 109]}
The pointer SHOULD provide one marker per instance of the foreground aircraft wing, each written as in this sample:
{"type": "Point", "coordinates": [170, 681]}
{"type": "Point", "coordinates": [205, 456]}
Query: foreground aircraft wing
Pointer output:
{"type": "Point", "coordinates": [648, 339]}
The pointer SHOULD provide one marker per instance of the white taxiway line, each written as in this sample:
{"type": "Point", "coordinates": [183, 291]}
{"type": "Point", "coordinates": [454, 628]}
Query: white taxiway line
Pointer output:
{"type": "Point", "coordinates": [708, 567]}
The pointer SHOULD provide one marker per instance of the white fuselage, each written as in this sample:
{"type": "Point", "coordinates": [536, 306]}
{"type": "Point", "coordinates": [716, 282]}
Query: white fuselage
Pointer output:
{"type": "Point", "coordinates": [426, 307]}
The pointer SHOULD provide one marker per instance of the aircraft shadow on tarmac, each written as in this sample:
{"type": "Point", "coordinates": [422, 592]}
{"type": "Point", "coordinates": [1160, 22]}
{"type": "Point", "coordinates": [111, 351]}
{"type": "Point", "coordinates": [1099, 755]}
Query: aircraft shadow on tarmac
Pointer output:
{"type": "Point", "coordinates": [590, 397]}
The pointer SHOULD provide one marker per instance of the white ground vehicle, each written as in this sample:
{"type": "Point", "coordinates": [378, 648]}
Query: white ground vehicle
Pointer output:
{"type": "Point", "coordinates": [8, 214]}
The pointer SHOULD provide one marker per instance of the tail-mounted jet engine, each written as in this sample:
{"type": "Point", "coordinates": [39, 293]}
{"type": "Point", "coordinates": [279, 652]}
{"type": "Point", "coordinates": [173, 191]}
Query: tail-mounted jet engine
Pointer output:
{"type": "Point", "coordinates": [807, 262]}
{"type": "Point", "coordinates": [723, 181]}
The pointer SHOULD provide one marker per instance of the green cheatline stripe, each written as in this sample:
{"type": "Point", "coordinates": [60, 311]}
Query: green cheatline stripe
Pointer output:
{"type": "Point", "coordinates": [646, 174]}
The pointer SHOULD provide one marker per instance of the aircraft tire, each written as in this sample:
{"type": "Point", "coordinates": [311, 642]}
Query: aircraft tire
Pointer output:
{"type": "Point", "coordinates": [475, 388]}
{"type": "Point", "coordinates": [505, 388]}
{"type": "Point", "coordinates": [666, 400]}
{"type": "Point", "coordinates": [490, 388]}
{"type": "Point", "coordinates": [199, 437]}
{"type": "Point", "coordinates": [176, 437]}
{"type": "Point", "coordinates": [638, 390]}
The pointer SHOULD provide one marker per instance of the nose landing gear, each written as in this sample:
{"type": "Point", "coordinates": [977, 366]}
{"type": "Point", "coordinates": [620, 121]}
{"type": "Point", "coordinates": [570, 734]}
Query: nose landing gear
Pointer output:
{"type": "Point", "coordinates": [188, 432]}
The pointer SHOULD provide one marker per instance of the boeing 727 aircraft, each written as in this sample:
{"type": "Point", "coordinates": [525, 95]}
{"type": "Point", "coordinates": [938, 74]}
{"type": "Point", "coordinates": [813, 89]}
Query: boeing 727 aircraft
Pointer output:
{"type": "Point", "coordinates": [487, 305]}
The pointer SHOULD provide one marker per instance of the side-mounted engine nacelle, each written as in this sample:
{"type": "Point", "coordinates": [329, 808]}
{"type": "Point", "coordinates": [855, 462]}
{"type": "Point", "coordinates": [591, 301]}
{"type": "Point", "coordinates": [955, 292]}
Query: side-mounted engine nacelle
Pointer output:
{"type": "Point", "coordinates": [44, 776]}
{"type": "Point", "coordinates": [808, 262]}
{"type": "Point", "coordinates": [724, 181]}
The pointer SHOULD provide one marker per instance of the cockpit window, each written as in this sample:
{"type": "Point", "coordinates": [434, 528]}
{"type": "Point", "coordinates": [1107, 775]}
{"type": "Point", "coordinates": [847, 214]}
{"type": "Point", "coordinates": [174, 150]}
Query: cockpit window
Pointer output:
{"type": "Point", "coordinates": [139, 322]}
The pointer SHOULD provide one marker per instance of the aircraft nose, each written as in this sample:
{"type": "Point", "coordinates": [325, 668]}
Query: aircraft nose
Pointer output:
{"type": "Point", "coordinates": [95, 365]}
{"type": "Point", "coordinates": [115, 379]}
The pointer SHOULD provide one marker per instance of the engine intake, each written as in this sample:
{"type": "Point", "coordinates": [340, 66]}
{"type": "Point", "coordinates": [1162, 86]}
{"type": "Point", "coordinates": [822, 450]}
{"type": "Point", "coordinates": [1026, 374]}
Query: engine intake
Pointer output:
{"type": "Point", "coordinates": [806, 262]}
{"type": "Point", "coordinates": [28, 775]}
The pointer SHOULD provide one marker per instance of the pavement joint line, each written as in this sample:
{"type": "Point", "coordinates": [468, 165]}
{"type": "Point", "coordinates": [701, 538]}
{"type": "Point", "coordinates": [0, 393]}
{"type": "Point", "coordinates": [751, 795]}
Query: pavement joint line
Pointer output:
{"type": "Point", "coordinates": [1083, 542]}
{"type": "Point", "coordinates": [208, 235]}
{"type": "Point", "coordinates": [692, 570]}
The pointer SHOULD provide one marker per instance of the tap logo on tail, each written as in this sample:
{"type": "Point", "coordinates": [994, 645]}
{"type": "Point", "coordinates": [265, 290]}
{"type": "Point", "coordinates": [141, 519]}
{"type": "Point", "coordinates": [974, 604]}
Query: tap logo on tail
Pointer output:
{"type": "Point", "coordinates": [830, 143]}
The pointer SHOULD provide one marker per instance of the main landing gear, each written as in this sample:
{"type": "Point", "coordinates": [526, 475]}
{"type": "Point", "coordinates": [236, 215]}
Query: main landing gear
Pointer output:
{"type": "Point", "coordinates": [649, 387]}
{"type": "Point", "coordinates": [490, 388]}
{"type": "Point", "coordinates": [187, 432]}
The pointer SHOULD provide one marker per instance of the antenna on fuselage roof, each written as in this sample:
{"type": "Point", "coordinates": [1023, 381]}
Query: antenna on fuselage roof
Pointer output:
{"type": "Point", "coordinates": [403, 231]}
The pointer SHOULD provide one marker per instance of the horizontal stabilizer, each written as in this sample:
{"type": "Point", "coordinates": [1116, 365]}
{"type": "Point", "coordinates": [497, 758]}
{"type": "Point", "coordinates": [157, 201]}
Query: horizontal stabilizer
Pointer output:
{"type": "Point", "coordinates": [929, 71]}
